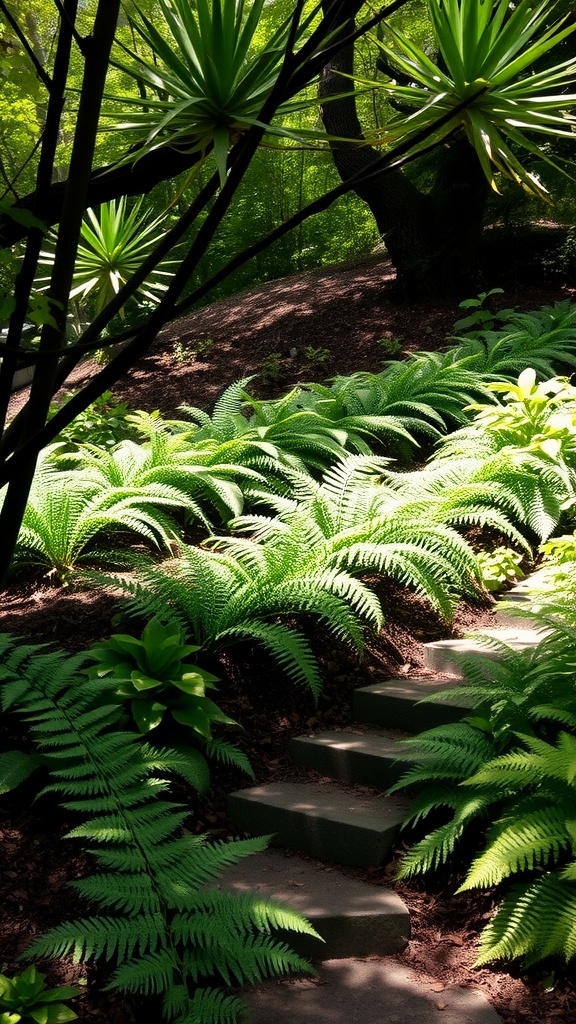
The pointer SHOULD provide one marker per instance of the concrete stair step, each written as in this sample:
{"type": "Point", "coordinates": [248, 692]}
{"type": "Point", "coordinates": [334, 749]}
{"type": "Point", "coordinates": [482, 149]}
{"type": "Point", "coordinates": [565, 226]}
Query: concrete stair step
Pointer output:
{"type": "Point", "coordinates": [444, 655]}
{"type": "Point", "coordinates": [353, 917]}
{"type": "Point", "coordinates": [394, 704]}
{"type": "Point", "coordinates": [325, 820]}
{"type": "Point", "coordinates": [357, 756]}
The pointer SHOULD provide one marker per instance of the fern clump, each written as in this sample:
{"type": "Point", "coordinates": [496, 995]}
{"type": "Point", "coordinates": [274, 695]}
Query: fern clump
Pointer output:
{"type": "Point", "coordinates": [160, 923]}
{"type": "Point", "coordinates": [508, 770]}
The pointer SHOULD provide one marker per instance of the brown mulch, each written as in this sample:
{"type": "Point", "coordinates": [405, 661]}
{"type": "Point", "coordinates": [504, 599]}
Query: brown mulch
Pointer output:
{"type": "Point", "coordinates": [347, 311]}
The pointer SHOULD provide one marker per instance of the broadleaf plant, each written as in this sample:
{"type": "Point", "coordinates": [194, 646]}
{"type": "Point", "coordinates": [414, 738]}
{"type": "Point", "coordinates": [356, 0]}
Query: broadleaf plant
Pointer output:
{"type": "Point", "coordinates": [26, 997]}
{"type": "Point", "coordinates": [152, 673]}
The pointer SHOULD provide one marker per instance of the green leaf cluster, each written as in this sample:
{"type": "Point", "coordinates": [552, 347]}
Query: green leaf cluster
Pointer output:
{"type": "Point", "coordinates": [26, 997]}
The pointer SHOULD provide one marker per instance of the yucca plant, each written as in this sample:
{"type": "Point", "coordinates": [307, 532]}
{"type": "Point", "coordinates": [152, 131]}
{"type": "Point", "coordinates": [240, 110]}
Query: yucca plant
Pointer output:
{"type": "Point", "coordinates": [486, 77]}
{"type": "Point", "coordinates": [160, 922]}
{"type": "Point", "coordinates": [114, 243]}
{"type": "Point", "coordinates": [209, 81]}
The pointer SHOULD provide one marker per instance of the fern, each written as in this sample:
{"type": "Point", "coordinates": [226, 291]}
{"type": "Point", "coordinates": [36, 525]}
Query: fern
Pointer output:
{"type": "Point", "coordinates": [157, 918]}
{"type": "Point", "coordinates": [220, 598]}
{"type": "Point", "coordinates": [68, 512]}
{"type": "Point", "coordinates": [353, 524]}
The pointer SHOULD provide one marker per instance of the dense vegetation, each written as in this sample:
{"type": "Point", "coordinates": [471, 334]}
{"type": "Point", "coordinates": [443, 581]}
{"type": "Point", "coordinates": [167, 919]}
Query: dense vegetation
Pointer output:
{"type": "Point", "coordinates": [301, 510]}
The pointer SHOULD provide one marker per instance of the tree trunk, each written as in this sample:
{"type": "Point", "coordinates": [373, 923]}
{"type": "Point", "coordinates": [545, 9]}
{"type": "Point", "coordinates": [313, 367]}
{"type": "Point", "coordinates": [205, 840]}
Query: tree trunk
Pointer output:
{"type": "Point", "coordinates": [432, 238]}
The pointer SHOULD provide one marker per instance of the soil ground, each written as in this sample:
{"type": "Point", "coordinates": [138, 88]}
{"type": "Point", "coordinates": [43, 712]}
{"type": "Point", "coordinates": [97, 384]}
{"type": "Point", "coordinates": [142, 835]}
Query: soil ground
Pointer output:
{"type": "Point", "coordinates": [310, 326]}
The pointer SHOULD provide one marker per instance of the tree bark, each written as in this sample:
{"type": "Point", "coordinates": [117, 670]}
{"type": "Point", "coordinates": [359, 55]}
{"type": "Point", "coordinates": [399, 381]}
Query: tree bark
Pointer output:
{"type": "Point", "coordinates": [432, 238]}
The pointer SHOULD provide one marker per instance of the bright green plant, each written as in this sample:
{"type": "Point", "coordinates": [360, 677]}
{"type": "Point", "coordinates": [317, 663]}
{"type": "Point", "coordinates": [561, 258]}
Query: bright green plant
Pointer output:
{"type": "Point", "coordinates": [544, 339]}
{"type": "Point", "coordinates": [69, 512]}
{"type": "Point", "coordinates": [194, 102]}
{"type": "Point", "coordinates": [510, 762]}
{"type": "Point", "coordinates": [480, 318]}
{"type": "Point", "coordinates": [26, 997]}
{"type": "Point", "coordinates": [486, 77]}
{"type": "Point", "coordinates": [155, 677]}
{"type": "Point", "coordinates": [534, 786]}
{"type": "Point", "coordinates": [498, 567]}
{"type": "Point", "coordinates": [160, 922]}
{"type": "Point", "coordinates": [558, 550]}
{"type": "Point", "coordinates": [539, 417]}
{"type": "Point", "coordinates": [252, 593]}
{"type": "Point", "coordinates": [390, 345]}
{"type": "Point", "coordinates": [152, 673]}
{"type": "Point", "coordinates": [114, 243]}
{"type": "Point", "coordinates": [352, 522]}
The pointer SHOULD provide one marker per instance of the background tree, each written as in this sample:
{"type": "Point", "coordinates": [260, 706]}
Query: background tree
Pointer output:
{"type": "Point", "coordinates": [433, 232]}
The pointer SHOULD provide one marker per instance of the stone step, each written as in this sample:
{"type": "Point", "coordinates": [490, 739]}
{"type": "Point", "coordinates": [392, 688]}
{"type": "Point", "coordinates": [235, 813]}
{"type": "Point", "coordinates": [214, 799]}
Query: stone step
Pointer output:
{"type": "Point", "coordinates": [353, 917]}
{"type": "Point", "coordinates": [325, 820]}
{"type": "Point", "coordinates": [360, 757]}
{"type": "Point", "coordinates": [444, 656]}
{"type": "Point", "coordinates": [395, 704]}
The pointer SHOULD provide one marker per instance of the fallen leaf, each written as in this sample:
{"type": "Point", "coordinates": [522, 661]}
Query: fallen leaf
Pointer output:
{"type": "Point", "coordinates": [438, 986]}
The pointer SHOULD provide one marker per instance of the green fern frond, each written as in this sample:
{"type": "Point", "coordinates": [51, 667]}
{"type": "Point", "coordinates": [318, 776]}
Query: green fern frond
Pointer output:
{"type": "Point", "coordinates": [533, 923]}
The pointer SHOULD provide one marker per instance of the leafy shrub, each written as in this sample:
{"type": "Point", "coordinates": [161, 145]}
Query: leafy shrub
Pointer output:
{"type": "Point", "coordinates": [168, 931]}
{"type": "Point", "coordinates": [499, 567]}
{"type": "Point", "coordinates": [104, 423]}
{"type": "Point", "coordinates": [26, 997]}
{"type": "Point", "coordinates": [152, 674]}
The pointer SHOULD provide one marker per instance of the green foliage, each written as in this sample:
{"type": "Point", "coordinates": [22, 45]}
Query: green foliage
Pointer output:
{"type": "Point", "coordinates": [498, 567]}
{"type": "Point", "coordinates": [535, 833]}
{"type": "Point", "coordinates": [26, 997]}
{"type": "Point", "coordinates": [559, 550]}
{"type": "Point", "coordinates": [15, 767]}
{"type": "Point", "coordinates": [160, 921]}
{"type": "Point", "coordinates": [114, 243]}
{"type": "Point", "coordinates": [486, 77]}
{"type": "Point", "coordinates": [251, 593]}
{"type": "Point", "coordinates": [104, 423]}
{"type": "Point", "coordinates": [192, 102]}
{"type": "Point", "coordinates": [512, 761]}
{"type": "Point", "coordinates": [317, 357]}
{"type": "Point", "coordinates": [189, 352]}
{"type": "Point", "coordinates": [351, 522]}
{"type": "Point", "coordinates": [68, 510]}
{"type": "Point", "coordinates": [537, 417]}
{"type": "Point", "coordinates": [152, 673]}
{"type": "Point", "coordinates": [544, 339]}
{"type": "Point", "coordinates": [272, 370]}
{"type": "Point", "coordinates": [480, 318]}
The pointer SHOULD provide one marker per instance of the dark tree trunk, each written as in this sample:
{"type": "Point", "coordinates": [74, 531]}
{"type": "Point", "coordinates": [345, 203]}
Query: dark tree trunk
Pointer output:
{"type": "Point", "coordinates": [433, 238]}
